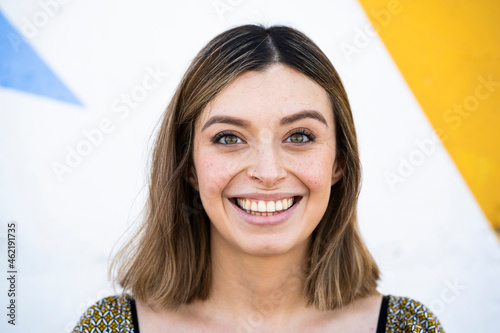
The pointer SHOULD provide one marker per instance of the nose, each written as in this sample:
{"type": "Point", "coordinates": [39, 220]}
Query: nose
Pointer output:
{"type": "Point", "coordinates": [267, 168]}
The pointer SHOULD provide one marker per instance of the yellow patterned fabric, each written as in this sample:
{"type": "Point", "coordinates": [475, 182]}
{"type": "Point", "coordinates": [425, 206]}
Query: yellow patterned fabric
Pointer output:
{"type": "Point", "coordinates": [113, 315]}
{"type": "Point", "coordinates": [110, 315]}
{"type": "Point", "coordinates": [407, 315]}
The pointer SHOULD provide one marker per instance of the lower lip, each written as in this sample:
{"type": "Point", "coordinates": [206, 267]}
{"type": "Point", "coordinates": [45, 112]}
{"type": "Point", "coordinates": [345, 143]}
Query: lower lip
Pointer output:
{"type": "Point", "coordinates": [266, 220]}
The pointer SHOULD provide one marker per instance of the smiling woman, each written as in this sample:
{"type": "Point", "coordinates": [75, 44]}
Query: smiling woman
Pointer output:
{"type": "Point", "coordinates": [261, 132]}
{"type": "Point", "coordinates": [257, 149]}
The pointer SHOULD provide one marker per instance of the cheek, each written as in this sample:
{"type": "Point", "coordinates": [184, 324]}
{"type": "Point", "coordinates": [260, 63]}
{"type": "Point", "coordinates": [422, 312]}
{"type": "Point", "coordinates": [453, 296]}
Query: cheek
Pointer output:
{"type": "Point", "coordinates": [315, 170]}
{"type": "Point", "coordinates": [214, 173]}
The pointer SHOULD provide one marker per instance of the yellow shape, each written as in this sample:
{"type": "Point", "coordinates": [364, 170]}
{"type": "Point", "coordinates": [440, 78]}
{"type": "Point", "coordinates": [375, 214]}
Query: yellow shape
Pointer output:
{"type": "Point", "coordinates": [449, 54]}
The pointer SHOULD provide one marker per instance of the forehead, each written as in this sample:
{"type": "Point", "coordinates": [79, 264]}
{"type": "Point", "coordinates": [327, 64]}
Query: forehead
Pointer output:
{"type": "Point", "coordinates": [274, 93]}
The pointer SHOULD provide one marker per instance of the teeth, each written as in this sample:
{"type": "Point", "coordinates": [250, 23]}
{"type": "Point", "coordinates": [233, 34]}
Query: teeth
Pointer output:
{"type": "Point", "coordinates": [265, 208]}
{"type": "Point", "coordinates": [279, 205]}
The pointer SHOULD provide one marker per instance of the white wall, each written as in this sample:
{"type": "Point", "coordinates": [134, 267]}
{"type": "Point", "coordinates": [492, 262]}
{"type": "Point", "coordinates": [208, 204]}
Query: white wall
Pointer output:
{"type": "Point", "coordinates": [428, 234]}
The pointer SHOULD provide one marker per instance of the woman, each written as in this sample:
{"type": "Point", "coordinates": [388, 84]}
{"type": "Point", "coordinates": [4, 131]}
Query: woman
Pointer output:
{"type": "Point", "coordinates": [251, 216]}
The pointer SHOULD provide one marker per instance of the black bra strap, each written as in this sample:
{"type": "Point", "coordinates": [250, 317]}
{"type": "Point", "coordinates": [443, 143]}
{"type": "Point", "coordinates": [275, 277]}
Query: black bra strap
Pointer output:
{"type": "Point", "coordinates": [133, 310]}
{"type": "Point", "coordinates": [382, 317]}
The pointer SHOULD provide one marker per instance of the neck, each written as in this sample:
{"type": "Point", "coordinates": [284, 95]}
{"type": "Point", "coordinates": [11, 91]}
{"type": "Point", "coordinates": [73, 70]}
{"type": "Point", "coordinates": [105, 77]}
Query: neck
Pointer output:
{"type": "Point", "coordinates": [247, 287]}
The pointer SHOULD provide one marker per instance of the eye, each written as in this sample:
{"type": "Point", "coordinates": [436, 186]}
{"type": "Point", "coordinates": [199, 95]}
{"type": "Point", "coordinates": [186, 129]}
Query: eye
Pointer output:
{"type": "Point", "coordinates": [226, 138]}
{"type": "Point", "coordinates": [300, 135]}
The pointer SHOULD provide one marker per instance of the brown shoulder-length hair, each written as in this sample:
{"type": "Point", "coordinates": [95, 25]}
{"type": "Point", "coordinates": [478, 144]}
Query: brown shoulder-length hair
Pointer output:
{"type": "Point", "coordinates": [167, 263]}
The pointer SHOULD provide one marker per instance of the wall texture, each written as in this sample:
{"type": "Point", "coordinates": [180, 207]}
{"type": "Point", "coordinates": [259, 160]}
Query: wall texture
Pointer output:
{"type": "Point", "coordinates": [83, 85]}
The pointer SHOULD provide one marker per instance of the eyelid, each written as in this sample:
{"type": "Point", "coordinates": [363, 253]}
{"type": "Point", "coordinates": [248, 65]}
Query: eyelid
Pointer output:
{"type": "Point", "coordinates": [300, 130]}
{"type": "Point", "coordinates": [222, 134]}
{"type": "Point", "coordinates": [303, 131]}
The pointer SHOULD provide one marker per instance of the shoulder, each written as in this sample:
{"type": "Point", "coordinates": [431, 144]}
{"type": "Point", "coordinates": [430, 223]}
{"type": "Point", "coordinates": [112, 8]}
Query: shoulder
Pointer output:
{"type": "Point", "coordinates": [408, 315]}
{"type": "Point", "coordinates": [110, 314]}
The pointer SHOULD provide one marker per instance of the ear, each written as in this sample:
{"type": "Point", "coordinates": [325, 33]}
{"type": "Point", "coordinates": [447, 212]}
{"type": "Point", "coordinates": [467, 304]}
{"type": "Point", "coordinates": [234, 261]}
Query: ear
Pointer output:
{"type": "Point", "coordinates": [338, 170]}
{"type": "Point", "coordinates": [193, 178]}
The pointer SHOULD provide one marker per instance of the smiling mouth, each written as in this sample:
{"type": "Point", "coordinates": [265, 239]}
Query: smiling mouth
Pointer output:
{"type": "Point", "coordinates": [264, 207]}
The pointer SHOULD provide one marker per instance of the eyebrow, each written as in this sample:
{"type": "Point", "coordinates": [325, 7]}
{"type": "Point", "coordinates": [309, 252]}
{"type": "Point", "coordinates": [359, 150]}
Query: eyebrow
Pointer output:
{"type": "Point", "coordinates": [302, 115]}
{"type": "Point", "coordinates": [286, 120]}
{"type": "Point", "coordinates": [226, 120]}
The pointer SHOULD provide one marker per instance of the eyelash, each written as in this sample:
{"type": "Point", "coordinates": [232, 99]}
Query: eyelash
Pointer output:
{"type": "Point", "coordinates": [303, 131]}
{"type": "Point", "coordinates": [220, 135]}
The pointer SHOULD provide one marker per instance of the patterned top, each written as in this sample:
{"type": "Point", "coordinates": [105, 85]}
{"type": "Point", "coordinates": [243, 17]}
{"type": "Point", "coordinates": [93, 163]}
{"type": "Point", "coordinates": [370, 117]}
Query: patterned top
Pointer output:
{"type": "Point", "coordinates": [117, 314]}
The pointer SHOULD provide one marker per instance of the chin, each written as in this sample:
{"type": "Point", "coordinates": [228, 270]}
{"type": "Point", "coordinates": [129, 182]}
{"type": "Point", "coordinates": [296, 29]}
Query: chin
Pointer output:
{"type": "Point", "coordinates": [267, 246]}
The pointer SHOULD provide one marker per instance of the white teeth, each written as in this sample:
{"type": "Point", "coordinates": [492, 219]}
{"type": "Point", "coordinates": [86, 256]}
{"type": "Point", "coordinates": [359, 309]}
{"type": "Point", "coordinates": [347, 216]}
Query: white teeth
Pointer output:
{"type": "Point", "coordinates": [265, 208]}
{"type": "Point", "coordinates": [285, 203]}
{"type": "Point", "coordinates": [279, 205]}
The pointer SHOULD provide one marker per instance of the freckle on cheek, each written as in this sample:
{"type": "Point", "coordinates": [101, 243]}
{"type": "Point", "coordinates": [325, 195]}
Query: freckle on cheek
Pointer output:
{"type": "Point", "coordinates": [215, 183]}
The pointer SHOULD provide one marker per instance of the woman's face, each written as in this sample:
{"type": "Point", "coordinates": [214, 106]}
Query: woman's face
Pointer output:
{"type": "Point", "coordinates": [264, 160]}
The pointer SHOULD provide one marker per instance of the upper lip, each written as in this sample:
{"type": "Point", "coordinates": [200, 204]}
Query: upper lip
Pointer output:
{"type": "Point", "coordinates": [266, 196]}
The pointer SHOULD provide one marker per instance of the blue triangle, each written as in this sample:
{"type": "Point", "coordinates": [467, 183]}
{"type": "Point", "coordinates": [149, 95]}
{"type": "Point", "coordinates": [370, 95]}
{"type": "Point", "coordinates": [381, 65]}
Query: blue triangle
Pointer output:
{"type": "Point", "coordinates": [21, 68]}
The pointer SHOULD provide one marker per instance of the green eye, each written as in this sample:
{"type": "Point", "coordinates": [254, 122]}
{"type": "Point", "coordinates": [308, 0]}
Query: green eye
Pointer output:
{"type": "Point", "coordinates": [230, 139]}
{"type": "Point", "coordinates": [298, 138]}
{"type": "Point", "coordinates": [225, 138]}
